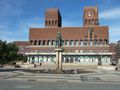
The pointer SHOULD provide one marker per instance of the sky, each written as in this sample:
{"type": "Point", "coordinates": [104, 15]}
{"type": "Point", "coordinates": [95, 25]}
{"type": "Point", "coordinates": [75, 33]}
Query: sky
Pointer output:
{"type": "Point", "coordinates": [17, 16]}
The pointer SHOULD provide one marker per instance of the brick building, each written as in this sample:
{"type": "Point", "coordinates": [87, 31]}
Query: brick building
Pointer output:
{"type": "Point", "coordinates": [88, 44]}
{"type": "Point", "coordinates": [23, 46]}
{"type": "Point", "coordinates": [115, 49]}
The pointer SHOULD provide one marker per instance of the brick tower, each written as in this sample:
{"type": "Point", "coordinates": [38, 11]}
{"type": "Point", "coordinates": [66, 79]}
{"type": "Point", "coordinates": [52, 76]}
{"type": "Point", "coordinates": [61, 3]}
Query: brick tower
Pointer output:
{"type": "Point", "coordinates": [90, 17]}
{"type": "Point", "coordinates": [53, 18]}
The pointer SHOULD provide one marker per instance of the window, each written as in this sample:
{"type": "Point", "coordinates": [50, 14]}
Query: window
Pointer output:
{"type": "Point", "coordinates": [105, 42]}
{"type": "Point", "coordinates": [76, 42]}
{"type": "Point", "coordinates": [95, 42]}
{"type": "Point", "coordinates": [39, 42]}
{"type": "Point", "coordinates": [35, 42]}
{"type": "Point", "coordinates": [100, 42]}
{"type": "Point", "coordinates": [66, 42]}
{"type": "Point", "coordinates": [48, 43]}
{"type": "Point", "coordinates": [71, 43]}
{"type": "Point", "coordinates": [31, 42]}
{"type": "Point", "coordinates": [93, 22]}
{"type": "Point", "coordinates": [81, 42]}
{"type": "Point", "coordinates": [44, 42]}
{"type": "Point", "coordinates": [89, 21]}
{"type": "Point", "coordinates": [49, 22]}
{"type": "Point", "coordinates": [86, 42]}
{"type": "Point", "coordinates": [52, 22]}
{"type": "Point", "coordinates": [91, 42]}
{"type": "Point", "coordinates": [53, 42]}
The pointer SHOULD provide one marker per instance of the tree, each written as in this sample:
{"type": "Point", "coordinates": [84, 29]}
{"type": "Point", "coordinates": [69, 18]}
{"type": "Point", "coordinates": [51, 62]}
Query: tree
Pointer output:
{"type": "Point", "coordinates": [8, 52]}
{"type": "Point", "coordinates": [3, 52]}
{"type": "Point", "coordinates": [22, 58]}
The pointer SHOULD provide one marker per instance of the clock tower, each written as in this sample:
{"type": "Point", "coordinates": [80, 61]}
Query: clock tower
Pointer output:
{"type": "Point", "coordinates": [90, 17]}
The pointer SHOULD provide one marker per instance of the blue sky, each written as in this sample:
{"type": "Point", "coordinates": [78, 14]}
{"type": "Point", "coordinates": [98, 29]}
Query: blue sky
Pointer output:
{"type": "Point", "coordinates": [17, 16]}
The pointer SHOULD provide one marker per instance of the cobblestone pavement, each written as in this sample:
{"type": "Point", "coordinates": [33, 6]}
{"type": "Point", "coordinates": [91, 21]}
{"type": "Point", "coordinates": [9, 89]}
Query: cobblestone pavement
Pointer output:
{"type": "Point", "coordinates": [101, 80]}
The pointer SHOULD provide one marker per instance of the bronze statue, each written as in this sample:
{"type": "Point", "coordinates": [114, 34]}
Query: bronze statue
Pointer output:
{"type": "Point", "coordinates": [90, 31]}
{"type": "Point", "coordinates": [59, 42]}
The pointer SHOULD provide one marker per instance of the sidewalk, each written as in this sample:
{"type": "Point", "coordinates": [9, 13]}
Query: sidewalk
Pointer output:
{"type": "Point", "coordinates": [98, 76]}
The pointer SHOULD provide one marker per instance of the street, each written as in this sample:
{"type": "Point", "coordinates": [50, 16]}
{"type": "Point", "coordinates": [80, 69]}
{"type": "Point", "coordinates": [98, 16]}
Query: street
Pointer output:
{"type": "Point", "coordinates": [19, 80]}
{"type": "Point", "coordinates": [38, 85]}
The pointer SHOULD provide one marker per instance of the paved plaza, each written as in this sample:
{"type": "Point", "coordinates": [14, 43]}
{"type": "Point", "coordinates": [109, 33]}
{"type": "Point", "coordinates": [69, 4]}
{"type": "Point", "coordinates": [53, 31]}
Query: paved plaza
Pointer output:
{"type": "Point", "coordinates": [38, 85]}
{"type": "Point", "coordinates": [98, 80]}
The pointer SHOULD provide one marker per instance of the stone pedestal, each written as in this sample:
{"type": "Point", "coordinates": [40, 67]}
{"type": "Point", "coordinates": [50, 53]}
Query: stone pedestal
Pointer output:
{"type": "Point", "coordinates": [58, 60]}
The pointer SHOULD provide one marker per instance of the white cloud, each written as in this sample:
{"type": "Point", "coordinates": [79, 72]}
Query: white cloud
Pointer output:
{"type": "Point", "coordinates": [110, 14]}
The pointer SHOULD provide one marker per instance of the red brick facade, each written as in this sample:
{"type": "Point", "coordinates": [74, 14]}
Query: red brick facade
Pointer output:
{"type": "Point", "coordinates": [88, 44]}
{"type": "Point", "coordinates": [76, 39]}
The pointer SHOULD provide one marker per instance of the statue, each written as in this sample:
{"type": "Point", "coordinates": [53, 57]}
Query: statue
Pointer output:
{"type": "Point", "coordinates": [90, 32]}
{"type": "Point", "coordinates": [58, 50]}
{"type": "Point", "coordinates": [59, 42]}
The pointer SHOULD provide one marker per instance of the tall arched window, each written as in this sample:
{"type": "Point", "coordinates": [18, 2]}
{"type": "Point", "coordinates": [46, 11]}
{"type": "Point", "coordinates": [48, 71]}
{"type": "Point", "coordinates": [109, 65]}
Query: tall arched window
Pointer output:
{"type": "Point", "coordinates": [31, 42]}
{"type": "Point", "coordinates": [91, 42]}
{"type": "Point", "coordinates": [35, 42]}
{"type": "Point", "coordinates": [95, 42]}
{"type": "Point", "coordinates": [76, 42]}
{"type": "Point", "coordinates": [39, 42]}
{"type": "Point", "coordinates": [81, 42]}
{"type": "Point", "coordinates": [52, 22]}
{"type": "Point", "coordinates": [44, 42]}
{"type": "Point", "coordinates": [53, 42]}
{"type": "Point", "coordinates": [71, 43]}
{"type": "Point", "coordinates": [86, 42]}
{"type": "Point", "coordinates": [66, 42]}
{"type": "Point", "coordinates": [48, 43]}
{"type": "Point", "coordinates": [49, 22]}
{"type": "Point", "coordinates": [105, 42]}
{"type": "Point", "coordinates": [100, 42]}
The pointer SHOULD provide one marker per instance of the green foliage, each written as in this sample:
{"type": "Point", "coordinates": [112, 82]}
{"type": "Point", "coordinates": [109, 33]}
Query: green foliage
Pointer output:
{"type": "Point", "coordinates": [9, 53]}
{"type": "Point", "coordinates": [22, 57]}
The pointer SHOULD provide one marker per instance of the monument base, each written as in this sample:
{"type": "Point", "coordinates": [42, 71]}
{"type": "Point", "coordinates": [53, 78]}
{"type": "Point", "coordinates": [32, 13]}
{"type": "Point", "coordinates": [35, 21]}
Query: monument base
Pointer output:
{"type": "Point", "coordinates": [58, 60]}
{"type": "Point", "coordinates": [58, 71]}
